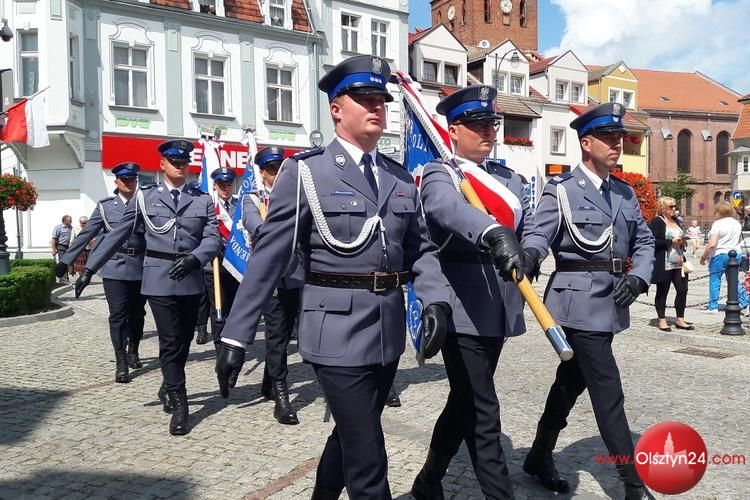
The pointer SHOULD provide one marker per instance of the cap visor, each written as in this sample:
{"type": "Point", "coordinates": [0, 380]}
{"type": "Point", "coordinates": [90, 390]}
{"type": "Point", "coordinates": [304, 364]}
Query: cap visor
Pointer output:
{"type": "Point", "coordinates": [370, 90]}
{"type": "Point", "coordinates": [478, 116]}
{"type": "Point", "coordinates": [608, 129]}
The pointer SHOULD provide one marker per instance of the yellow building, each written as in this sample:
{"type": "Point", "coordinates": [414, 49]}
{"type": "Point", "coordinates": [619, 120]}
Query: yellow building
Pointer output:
{"type": "Point", "coordinates": [616, 83]}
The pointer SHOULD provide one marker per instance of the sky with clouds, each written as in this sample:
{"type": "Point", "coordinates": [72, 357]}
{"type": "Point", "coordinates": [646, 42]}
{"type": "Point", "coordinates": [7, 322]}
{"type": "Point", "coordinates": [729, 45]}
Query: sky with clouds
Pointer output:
{"type": "Point", "coordinates": [712, 37]}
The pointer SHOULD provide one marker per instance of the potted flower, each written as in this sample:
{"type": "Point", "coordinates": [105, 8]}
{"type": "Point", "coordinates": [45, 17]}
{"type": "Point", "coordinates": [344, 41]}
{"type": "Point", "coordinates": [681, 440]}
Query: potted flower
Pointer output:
{"type": "Point", "coordinates": [518, 141]}
{"type": "Point", "coordinates": [16, 192]}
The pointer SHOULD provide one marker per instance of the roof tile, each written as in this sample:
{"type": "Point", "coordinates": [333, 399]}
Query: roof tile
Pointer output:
{"type": "Point", "coordinates": [246, 10]}
{"type": "Point", "coordinates": [678, 91]}
{"type": "Point", "coordinates": [541, 65]}
{"type": "Point", "coordinates": [743, 125]}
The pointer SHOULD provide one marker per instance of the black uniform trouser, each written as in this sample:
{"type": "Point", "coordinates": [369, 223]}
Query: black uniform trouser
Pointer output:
{"type": "Point", "coordinates": [280, 314]}
{"type": "Point", "coordinates": [354, 456]}
{"type": "Point", "coordinates": [204, 310]}
{"type": "Point", "coordinates": [472, 412]}
{"type": "Point", "coordinates": [594, 368]}
{"type": "Point", "coordinates": [229, 287]}
{"type": "Point", "coordinates": [127, 311]}
{"type": "Point", "coordinates": [175, 317]}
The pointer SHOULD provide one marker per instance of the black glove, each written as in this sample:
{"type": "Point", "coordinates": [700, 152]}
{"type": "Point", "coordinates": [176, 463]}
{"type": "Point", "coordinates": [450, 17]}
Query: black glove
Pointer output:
{"type": "Point", "coordinates": [532, 262]}
{"type": "Point", "coordinates": [60, 269]}
{"type": "Point", "coordinates": [628, 289]}
{"type": "Point", "coordinates": [83, 281]}
{"type": "Point", "coordinates": [229, 361]}
{"type": "Point", "coordinates": [435, 327]}
{"type": "Point", "coordinates": [507, 253]}
{"type": "Point", "coordinates": [183, 267]}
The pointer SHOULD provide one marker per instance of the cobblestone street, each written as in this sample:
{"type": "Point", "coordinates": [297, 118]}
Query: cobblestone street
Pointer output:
{"type": "Point", "coordinates": [67, 430]}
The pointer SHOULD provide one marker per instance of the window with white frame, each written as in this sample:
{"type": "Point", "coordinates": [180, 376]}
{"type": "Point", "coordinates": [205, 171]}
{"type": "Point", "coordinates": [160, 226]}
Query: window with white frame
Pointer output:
{"type": "Point", "coordinates": [207, 6]}
{"type": "Point", "coordinates": [516, 84]}
{"type": "Point", "coordinates": [74, 68]}
{"type": "Point", "coordinates": [561, 90]}
{"type": "Point", "coordinates": [557, 140]}
{"type": "Point", "coordinates": [277, 12]}
{"type": "Point", "coordinates": [576, 92]}
{"type": "Point", "coordinates": [130, 73]}
{"type": "Point", "coordinates": [379, 38]}
{"type": "Point", "coordinates": [628, 98]}
{"type": "Point", "coordinates": [498, 80]}
{"type": "Point", "coordinates": [28, 53]}
{"type": "Point", "coordinates": [429, 71]}
{"type": "Point", "coordinates": [279, 94]}
{"type": "Point", "coordinates": [210, 83]}
{"type": "Point", "coordinates": [745, 164]}
{"type": "Point", "coordinates": [614, 95]}
{"type": "Point", "coordinates": [451, 74]}
{"type": "Point", "coordinates": [349, 33]}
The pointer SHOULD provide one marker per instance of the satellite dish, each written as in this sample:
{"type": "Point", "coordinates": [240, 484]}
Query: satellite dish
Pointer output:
{"type": "Point", "coordinates": [484, 44]}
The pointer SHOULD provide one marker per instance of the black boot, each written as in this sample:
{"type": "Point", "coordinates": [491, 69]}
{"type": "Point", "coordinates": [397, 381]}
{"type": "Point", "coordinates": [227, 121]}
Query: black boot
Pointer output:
{"type": "Point", "coordinates": [162, 395]}
{"type": "Point", "coordinates": [134, 361]}
{"type": "Point", "coordinates": [265, 386]}
{"type": "Point", "coordinates": [634, 487]}
{"type": "Point", "coordinates": [121, 371]}
{"type": "Point", "coordinates": [178, 426]}
{"type": "Point", "coordinates": [393, 400]}
{"type": "Point", "coordinates": [539, 461]}
{"type": "Point", "coordinates": [283, 411]}
{"type": "Point", "coordinates": [427, 485]}
{"type": "Point", "coordinates": [320, 493]}
{"type": "Point", "coordinates": [202, 337]}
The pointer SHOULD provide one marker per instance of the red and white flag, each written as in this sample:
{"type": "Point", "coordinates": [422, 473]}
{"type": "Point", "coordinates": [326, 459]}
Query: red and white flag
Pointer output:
{"type": "Point", "coordinates": [26, 122]}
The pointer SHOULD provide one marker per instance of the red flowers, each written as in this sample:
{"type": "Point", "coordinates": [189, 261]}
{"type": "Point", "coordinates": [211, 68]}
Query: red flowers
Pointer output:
{"type": "Point", "coordinates": [518, 141]}
{"type": "Point", "coordinates": [644, 190]}
{"type": "Point", "coordinates": [16, 192]}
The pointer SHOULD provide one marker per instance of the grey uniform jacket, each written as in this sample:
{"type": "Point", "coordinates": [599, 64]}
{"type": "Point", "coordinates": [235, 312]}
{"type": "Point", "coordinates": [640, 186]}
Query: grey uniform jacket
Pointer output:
{"type": "Point", "coordinates": [483, 303]}
{"type": "Point", "coordinates": [341, 327]}
{"type": "Point", "coordinates": [121, 265]}
{"type": "Point", "coordinates": [584, 299]}
{"type": "Point", "coordinates": [194, 232]}
{"type": "Point", "coordinates": [294, 277]}
{"type": "Point", "coordinates": [223, 242]}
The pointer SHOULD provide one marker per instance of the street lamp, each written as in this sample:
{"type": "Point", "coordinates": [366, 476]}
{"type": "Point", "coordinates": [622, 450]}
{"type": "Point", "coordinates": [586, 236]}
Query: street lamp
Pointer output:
{"type": "Point", "coordinates": [6, 35]}
{"type": "Point", "coordinates": [514, 60]}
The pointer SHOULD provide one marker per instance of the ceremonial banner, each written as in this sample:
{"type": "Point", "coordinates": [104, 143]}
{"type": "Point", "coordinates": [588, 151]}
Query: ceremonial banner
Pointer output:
{"type": "Point", "coordinates": [237, 250]}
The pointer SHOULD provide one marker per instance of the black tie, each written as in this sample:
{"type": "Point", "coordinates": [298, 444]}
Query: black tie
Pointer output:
{"type": "Point", "coordinates": [605, 192]}
{"type": "Point", "coordinates": [226, 205]}
{"type": "Point", "coordinates": [175, 196]}
{"type": "Point", "coordinates": [369, 174]}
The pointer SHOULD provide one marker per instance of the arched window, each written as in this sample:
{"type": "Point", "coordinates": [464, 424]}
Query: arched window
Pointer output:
{"type": "Point", "coordinates": [688, 204]}
{"type": "Point", "coordinates": [440, 17]}
{"type": "Point", "coordinates": [487, 11]}
{"type": "Point", "coordinates": [683, 151]}
{"type": "Point", "coordinates": [523, 13]}
{"type": "Point", "coordinates": [717, 197]}
{"type": "Point", "coordinates": [728, 196]}
{"type": "Point", "coordinates": [722, 148]}
{"type": "Point", "coordinates": [463, 12]}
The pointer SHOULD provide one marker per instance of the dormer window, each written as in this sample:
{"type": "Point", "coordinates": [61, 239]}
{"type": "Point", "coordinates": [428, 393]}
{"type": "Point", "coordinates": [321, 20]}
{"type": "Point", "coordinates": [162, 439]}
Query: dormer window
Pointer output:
{"type": "Point", "coordinates": [278, 13]}
{"type": "Point", "coordinates": [207, 6]}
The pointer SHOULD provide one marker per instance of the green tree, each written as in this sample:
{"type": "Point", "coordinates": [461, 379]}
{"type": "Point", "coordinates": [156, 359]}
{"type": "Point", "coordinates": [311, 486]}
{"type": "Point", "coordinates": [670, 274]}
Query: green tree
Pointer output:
{"type": "Point", "coordinates": [678, 188]}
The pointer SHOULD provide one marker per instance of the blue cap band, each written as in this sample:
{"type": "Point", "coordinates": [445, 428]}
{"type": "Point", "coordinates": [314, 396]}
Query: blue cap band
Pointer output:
{"type": "Point", "coordinates": [370, 79]}
{"type": "Point", "coordinates": [469, 106]}
{"type": "Point", "coordinates": [269, 157]}
{"type": "Point", "coordinates": [175, 152]}
{"type": "Point", "coordinates": [598, 122]}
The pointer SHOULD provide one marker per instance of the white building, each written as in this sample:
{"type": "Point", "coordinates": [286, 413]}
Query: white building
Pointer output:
{"type": "Point", "coordinates": [125, 75]}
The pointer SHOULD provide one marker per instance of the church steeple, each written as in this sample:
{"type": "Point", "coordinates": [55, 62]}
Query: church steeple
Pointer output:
{"type": "Point", "coordinates": [473, 21]}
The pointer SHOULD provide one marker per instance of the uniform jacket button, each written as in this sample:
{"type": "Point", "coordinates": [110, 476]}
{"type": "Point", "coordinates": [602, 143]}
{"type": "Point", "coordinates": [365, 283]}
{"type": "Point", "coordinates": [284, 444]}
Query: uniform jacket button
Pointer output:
{"type": "Point", "coordinates": [321, 304]}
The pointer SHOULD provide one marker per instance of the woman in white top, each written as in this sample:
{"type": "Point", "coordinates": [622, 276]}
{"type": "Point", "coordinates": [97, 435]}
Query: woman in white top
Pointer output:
{"type": "Point", "coordinates": [725, 235]}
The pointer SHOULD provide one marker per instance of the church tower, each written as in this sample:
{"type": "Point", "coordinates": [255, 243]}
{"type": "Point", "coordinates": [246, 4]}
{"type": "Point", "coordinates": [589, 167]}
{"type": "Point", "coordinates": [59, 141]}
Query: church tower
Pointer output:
{"type": "Point", "coordinates": [473, 21]}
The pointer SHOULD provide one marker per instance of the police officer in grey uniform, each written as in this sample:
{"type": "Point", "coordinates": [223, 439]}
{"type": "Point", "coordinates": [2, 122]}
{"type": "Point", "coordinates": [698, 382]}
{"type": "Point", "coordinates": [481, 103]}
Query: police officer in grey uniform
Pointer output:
{"type": "Point", "coordinates": [594, 225]}
{"type": "Point", "coordinates": [282, 308]}
{"type": "Point", "coordinates": [121, 274]}
{"type": "Point", "coordinates": [223, 185]}
{"type": "Point", "coordinates": [355, 217]}
{"type": "Point", "coordinates": [487, 306]}
{"type": "Point", "coordinates": [181, 237]}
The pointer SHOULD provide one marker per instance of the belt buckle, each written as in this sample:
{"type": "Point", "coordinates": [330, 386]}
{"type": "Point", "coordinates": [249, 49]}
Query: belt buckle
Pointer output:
{"type": "Point", "coordinates": [131, 251]}
{"type": "Point", "coordinates": [617, 266]}
{"type": "Point", "coordinates": [375, 275]}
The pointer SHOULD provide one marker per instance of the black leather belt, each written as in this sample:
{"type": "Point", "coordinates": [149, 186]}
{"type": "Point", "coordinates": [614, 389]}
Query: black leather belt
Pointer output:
{"type": "Point", "coordinates": [130, 251]}
{"type": "Point", "coordinates": [374, 282]}
{"type": "Point", "coordinates": [64, 247]}
{"type": "Point", "coordinates": [165, 255]}
{"type": "Point", "coordinates": [465, 258]}
{"type": "Point", "coordinates": [611, 266]}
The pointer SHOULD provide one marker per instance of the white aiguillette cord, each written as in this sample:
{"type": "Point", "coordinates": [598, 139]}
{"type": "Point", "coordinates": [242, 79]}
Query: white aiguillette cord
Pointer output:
{"type": "Point", "coordinates": [596, 245]}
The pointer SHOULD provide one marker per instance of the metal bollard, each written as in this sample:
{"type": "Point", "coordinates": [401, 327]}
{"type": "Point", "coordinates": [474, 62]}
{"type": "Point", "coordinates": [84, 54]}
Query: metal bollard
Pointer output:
{"type": "Point", "coordinates": [732, 319]}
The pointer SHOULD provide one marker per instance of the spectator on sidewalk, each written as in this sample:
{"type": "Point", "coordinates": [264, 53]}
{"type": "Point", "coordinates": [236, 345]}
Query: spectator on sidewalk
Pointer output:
{"type": "Point", "coordinates": [725, 235]}
{"type": "Point", "coordinates": [80, 263]}
{"type": "Point", "coordinates": [61, 236]}
{"type": "Point", "coordinates": [746, 219]}
{"type": "Point", "coordinates": [695, 235]}
{"type": "Point", "coordinates": [669, 256]}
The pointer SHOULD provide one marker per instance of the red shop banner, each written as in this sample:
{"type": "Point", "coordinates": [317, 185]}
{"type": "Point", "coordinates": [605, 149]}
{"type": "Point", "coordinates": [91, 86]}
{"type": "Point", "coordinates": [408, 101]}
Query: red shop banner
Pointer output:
{"type": "Point", "coordinates": [144, 151]}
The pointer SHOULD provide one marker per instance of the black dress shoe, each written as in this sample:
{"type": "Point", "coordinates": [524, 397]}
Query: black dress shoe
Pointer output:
{"type": "Point", "coordinates": [162, 395]}
{"type": "Point", "coordinates": [178, 425]}
{"type": "Point", "coordinates": [283, 410]}
{"type": "Point", "coordinates": [689, 327]}
{"type": "Point", "coordinates": [121, 371]}
{"type": "Point", "coordinates": [393, 400]}
{"type": "Point", "coordinates": [202, 337]}
{"type": "Point", "coordinates": [540, 464]}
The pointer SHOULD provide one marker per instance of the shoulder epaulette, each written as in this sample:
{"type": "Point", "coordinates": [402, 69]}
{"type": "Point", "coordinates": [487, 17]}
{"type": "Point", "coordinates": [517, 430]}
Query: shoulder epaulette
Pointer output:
{"type": "Point", "coordinates": [308, 153]}
{"type": "Point", "coordinates": [496, 164]}
{"type": "Point", "coordinates": [147, 186]}
{"type": "Point", "coordinates": [614, 177]}
{"type": "Point", "coordinates": [560, 178]}
{"type": "Point", "coordinates": [108, 198]}
{"type": "Point", "coordinates": [392, 161]}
